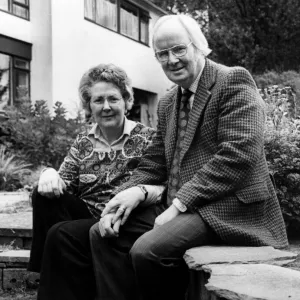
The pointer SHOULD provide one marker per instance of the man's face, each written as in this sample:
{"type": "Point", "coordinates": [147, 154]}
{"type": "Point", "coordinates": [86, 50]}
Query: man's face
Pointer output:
{"type": "Point", "coordinates": [181, 70]}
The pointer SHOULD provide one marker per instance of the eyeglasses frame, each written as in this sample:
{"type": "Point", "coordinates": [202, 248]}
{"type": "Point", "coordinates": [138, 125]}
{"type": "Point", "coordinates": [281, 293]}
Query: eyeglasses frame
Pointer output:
{"type": "Point", "coordinates": [170, 49]}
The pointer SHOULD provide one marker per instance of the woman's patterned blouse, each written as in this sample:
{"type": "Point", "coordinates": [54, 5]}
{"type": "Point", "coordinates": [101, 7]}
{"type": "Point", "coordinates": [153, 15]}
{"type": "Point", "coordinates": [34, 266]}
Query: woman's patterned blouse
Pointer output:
{"type": "Point", "coordinates": [92, 174]}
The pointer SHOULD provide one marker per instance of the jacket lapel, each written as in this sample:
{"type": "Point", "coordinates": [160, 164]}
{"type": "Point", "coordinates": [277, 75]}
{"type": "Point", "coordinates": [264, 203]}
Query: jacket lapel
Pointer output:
{"type": "Point", "coordinates": [201, 98]}
{"type": "Point", "coordinates": [172, 123]}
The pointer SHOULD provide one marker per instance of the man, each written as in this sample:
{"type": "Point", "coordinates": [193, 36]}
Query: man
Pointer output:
{"type": "Point", "coordinates": [209, 147]}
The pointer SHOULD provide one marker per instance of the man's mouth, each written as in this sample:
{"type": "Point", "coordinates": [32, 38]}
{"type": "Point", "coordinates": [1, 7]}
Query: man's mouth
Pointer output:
{"type": "Point", "coordinates": [176, 70]}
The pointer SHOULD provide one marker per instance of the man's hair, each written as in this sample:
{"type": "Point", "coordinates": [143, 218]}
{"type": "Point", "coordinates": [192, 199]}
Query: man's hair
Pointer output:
{"type": "Point", "coordinates": [192, 29]}
{"type": "Point", "coordinates": [104, 73]}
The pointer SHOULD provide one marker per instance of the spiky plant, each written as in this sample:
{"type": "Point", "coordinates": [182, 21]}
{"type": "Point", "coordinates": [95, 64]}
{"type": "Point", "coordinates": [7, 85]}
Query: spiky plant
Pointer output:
{"type": "Point", "coordinates": [11, 170]}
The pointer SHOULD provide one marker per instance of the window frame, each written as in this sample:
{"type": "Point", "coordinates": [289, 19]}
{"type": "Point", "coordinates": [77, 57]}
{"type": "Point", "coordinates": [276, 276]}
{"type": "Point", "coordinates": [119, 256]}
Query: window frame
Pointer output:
{"type": "Point", "coordinates": [141, 13]}
{"type": "Point", "coordinates": [13, 76]}
{"type": "Point", "coordinates": [11, 3]}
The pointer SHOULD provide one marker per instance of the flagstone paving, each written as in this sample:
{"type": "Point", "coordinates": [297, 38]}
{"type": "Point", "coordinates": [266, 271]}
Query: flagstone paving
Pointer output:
{"type": "Point", "coordinates": [22, 220]}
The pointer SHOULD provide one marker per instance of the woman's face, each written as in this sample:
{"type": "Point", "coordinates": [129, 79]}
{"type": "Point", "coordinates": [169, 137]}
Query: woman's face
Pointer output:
{"type": "Point", "coordinates": [107, 105]}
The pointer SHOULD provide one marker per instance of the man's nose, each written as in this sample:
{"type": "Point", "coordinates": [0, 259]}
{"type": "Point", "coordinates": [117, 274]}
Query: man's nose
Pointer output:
{"type": "Point", "coordinates": [172, 58]}
{"type": "Point", "coordinates": [106, 105]}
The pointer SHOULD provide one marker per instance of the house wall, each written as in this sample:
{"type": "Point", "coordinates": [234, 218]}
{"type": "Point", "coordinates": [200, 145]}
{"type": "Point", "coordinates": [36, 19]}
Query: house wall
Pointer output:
{"type": "Point", "coordinates": [78, 44]}
{"type": "Point", "coordinates": [65, 45]}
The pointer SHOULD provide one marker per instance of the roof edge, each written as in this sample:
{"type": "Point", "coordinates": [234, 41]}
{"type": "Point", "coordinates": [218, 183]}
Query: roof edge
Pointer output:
{"type": "Point", "coordinates": [149, 4]}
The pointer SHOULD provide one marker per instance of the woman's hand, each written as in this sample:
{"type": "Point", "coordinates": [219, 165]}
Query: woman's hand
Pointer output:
{"type": "Point", "coordinates": [106, 226]}
{"type": "Point", "coordinates": [50, 184]}
{"type": "Point", "coordinates": [169, 214]}
{"type": "Point", "coordinates": [123, 204]}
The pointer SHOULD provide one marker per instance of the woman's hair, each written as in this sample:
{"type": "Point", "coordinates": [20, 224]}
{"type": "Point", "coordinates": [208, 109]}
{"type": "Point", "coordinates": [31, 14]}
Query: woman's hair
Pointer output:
{"type": "Point", "coordinates": [192, 29]}
{"type": "Point", "coordinates": [107, 73]}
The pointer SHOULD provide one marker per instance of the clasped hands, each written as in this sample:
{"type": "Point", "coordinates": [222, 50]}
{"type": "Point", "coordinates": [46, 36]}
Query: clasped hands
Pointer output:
{"type": "Point", "coordinates": [118, 209]}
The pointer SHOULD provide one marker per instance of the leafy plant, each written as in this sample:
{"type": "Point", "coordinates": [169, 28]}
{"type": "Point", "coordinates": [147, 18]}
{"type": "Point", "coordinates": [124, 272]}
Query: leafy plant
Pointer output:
{"type": "Point", "coordinates": [282, 80]}
{"type": "Point", "coordinates": [282, 146]}
{"type": "Point", "coordinates": [41, 138]}
{"type": "Point", "coordinates": [11, 170]}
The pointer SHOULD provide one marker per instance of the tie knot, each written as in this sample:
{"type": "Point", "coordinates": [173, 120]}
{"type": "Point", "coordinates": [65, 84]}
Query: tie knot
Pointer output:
{"type": "Point", "coordinates": [186, 94]}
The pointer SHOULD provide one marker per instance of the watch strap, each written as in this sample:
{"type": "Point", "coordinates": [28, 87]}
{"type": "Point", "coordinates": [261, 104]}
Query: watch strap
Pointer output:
{"type": "Point", "coordinates": [144, 190]}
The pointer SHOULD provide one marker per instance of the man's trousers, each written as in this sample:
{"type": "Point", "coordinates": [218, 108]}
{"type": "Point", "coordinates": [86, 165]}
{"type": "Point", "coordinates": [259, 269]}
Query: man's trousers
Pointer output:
{"type": "Point", "coordinates": [145, 263]}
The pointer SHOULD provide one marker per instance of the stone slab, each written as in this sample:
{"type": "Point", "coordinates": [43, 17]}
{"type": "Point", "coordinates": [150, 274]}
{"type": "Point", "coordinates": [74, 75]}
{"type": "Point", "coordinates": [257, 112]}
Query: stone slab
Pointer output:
{"type": "Point", "coordinates": [199, 256]}
{"type": "Point", "coordinates": [14, 256]}
{"type": "Point", "coordinates": [17, 278]}
{"type": "Point", "coordinates": [253, 282]}
{"type": "Point", "coordinates": [22, 220]}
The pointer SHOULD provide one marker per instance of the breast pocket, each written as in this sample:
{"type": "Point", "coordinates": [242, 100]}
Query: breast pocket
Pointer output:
{"type": "Point", "coordinates": [254, 193]}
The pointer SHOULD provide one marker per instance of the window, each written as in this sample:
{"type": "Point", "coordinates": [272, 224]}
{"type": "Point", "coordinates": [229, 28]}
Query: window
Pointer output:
{"type": "Point", "coordinates": [14, 79]}
{"type": "Point", "coordinates": [15, 59]}
{"type": "Point", "coordinates": [18, 8]}
{"type": "Point", "coordinates": [120, 16]}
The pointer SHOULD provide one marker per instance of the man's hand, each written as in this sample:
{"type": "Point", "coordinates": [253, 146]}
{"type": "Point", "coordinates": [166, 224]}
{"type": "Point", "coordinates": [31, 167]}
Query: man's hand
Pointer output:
{"type": "Point", "coordinates": [107, 228]}
{"type": "Point", "coordinates": [50, 184]}
{"type": "Point", "coordinates": [123, 204]}
{"type": "Point", "coordinates": [169, 214]}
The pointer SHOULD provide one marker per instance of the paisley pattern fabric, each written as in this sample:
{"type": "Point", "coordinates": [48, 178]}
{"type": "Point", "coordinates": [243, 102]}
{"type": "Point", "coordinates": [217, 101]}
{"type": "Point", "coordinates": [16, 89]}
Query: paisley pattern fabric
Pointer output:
{"type": "Point", "coordinates": [92, 174]}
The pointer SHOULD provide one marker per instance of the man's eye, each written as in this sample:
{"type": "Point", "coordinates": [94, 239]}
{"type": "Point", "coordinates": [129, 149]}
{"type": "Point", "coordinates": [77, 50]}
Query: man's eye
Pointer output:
{"type": "Point", "coordinates": [178, 50]}
{"type": "Point", "coordinates": [162, 53]}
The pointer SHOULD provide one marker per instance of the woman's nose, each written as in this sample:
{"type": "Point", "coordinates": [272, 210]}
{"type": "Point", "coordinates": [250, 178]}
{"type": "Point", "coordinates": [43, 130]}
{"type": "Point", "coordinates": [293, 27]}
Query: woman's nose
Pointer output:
{"type": "Point", "coordinates": [106, 105]}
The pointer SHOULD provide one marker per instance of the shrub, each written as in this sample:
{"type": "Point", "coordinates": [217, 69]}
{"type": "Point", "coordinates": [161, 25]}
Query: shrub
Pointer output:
{"type": "Point", "coordinates": [11, 171]}
{"type": "Point", "coordinates": [37, 136]}
{"type": "Point", "coordinates": [284, 79]}
{"type": "Point", "coordinates": [282, 146]}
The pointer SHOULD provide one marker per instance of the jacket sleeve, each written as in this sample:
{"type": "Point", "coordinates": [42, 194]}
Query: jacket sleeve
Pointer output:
{"type": "Point", "coordinates": [239, 142]}
{"type": "Point", "coordinates": [152, 168]}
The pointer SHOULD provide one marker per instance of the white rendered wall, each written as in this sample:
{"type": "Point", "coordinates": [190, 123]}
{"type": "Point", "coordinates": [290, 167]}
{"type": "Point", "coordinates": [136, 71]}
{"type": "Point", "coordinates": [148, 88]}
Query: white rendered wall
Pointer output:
{"type": "Point", "coordinates": [41, 64]}
{"type": "Point", "coordinates": [15, 27]}
{"type": "Point", "coordinates": [78, 44]}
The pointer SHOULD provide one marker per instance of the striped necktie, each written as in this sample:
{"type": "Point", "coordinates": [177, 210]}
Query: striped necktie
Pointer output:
{"type": "Point", "coordinates": [183, 117]}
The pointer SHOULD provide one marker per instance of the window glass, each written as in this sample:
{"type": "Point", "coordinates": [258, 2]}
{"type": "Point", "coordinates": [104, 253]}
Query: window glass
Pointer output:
{"type": "Point", "coordinates": [22, 84]}
{"type": "Point", "coordinates": [4, 79]}
{"type": "Point", "coordinates": [22, 64]}
{"type": "Point", "coordinates": [121, 16]}
{"type": "Point", "coordinates": [144, 30]}
{"type": "Point", "coordinates": [25, 2]}
{"type": "Point", "coordinates": [106, 13]}
{"type": "Point", "coordinates": [90, 9]}
{"type": "Point", "coordinates": [4, 4]}
{"type": "Point", "coordinates": [20, 11]}
{"type": "Point", "coordinates": [129, 21]}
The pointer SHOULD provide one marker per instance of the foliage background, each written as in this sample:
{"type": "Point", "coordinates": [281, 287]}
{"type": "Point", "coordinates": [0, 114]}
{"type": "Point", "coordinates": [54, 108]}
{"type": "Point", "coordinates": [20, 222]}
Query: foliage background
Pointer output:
{"type": "Point", "coordinates": [261, 35]}
{"type": "Point", "coordinates": [36, 136]}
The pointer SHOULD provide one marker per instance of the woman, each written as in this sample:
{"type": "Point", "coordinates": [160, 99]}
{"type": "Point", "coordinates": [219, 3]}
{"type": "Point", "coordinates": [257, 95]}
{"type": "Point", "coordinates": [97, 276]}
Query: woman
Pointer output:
{"type": "Point", "coordinates": [68, 202]}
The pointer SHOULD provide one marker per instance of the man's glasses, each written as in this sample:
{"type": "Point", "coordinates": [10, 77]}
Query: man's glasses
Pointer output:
{"type": "Point", "coordinates": [178, 51]}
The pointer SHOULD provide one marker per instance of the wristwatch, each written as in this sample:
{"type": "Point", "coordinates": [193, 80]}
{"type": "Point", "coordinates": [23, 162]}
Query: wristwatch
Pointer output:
{"type": "Point", "coordinates": [180, 206]}
{"type": "Point", "coordinates": [144, 190]}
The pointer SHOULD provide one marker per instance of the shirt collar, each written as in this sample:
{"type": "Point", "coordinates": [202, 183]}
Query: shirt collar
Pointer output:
{"type": "Point", "coordinates": [128, 126]}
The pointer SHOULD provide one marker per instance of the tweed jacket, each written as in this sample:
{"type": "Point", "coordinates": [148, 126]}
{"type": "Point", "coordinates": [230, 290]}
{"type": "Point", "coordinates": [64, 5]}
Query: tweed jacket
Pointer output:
{"type": "Point", "coordinates": [222, 165]}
